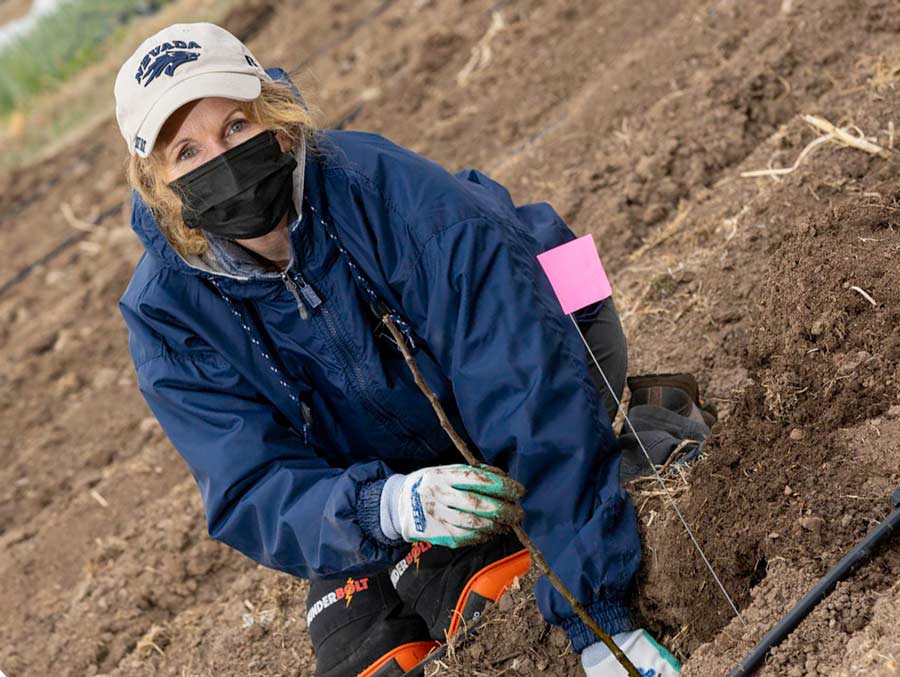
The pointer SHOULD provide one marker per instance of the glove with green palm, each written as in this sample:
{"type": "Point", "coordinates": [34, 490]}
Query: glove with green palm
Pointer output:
{"type": "Point", "coordinates": [450, 505]}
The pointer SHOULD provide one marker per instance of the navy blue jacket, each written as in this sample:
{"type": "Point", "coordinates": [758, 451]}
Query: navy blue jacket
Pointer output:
{"type": "Point", "coordinates": [291, 406]}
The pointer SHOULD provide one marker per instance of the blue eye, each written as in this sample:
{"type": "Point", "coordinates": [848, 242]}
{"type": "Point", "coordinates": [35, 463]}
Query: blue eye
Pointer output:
{"type": "Point", "coordinates": [236, 126]}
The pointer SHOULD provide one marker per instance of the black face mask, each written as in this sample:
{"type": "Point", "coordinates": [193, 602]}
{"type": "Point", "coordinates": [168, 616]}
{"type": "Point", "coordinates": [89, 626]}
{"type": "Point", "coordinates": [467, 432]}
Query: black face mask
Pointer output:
{"type": "Point", "coordinates": [242, 193]}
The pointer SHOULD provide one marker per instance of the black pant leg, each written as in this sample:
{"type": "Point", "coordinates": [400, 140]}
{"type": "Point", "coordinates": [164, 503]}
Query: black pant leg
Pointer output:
{"type": "Point", "coordinates": [604, 334]}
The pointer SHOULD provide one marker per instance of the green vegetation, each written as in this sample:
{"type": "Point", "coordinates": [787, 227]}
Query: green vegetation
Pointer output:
{"type": "Point", "coordinates": [56, 84]}
{"type": "Point", "coordinates": [61, 44]}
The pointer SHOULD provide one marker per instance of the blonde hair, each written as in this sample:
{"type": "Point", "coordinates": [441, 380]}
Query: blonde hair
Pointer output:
{"type": "Point", "coordinates": [276, 108]}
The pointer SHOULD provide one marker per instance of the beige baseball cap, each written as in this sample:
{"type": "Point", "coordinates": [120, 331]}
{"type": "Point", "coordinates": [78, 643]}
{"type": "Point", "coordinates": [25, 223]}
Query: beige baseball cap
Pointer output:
{"type": "Point", "coordinates": [180, 64]}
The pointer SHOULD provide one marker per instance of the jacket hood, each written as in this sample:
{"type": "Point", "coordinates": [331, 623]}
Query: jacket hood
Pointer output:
{"type": "Point", "coordinates": [144, 225]}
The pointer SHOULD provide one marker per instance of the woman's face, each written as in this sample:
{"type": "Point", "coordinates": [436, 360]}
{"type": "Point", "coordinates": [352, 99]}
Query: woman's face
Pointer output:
{"type": "Point", "coordinates": [199, 131]}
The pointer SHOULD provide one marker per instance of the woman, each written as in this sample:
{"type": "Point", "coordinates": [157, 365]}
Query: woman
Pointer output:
{"type": "Point", "coordinates": [272, 250]}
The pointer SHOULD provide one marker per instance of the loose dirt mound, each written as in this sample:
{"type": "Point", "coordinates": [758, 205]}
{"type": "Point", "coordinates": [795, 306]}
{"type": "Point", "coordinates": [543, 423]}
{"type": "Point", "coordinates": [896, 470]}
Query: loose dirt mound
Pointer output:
{"type": "Point", "coordinates": [634, 119]}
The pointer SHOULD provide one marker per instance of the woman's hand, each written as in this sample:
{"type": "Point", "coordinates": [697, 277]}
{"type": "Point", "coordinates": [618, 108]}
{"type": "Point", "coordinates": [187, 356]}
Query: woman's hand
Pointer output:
{"type": "Point", "coordinates": [450, 505]}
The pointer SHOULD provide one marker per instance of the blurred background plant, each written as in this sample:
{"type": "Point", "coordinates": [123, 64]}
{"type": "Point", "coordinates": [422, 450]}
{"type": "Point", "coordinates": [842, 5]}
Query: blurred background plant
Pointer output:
{"type": "Point", "coordinates": [58, 61]}
{"type": "Point", "coordinates": [61, 43]}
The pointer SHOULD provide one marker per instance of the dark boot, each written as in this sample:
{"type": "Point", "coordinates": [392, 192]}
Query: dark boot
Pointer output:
{"type": "Point", "coordinates": [668, 416]}
{"type": "Point", "coordinates": [678, 393]}
{"type": "Point", "coordinates": [360, 628]}
{"type": "Point", "coordinates": [450, 588]}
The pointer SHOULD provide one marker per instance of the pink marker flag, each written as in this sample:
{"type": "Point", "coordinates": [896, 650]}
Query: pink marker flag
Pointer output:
{"type": "Point", "coordinates": [576, 274]}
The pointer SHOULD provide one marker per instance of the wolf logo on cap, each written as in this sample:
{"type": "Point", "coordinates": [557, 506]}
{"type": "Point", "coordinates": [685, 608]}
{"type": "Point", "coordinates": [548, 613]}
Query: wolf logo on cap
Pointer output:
{"type": "Point", "coordinates": [167, 63]}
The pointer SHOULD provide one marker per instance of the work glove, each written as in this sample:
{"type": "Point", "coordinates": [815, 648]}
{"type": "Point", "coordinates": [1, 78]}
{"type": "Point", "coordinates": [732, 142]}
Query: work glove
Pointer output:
{"type": "Point", "coordinates": [450, 505]}
{"type": "Point", "coordinates": [650, 659]}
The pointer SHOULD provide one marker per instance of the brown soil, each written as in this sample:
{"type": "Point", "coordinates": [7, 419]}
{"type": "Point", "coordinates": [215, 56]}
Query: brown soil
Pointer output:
{"type": "Point", "coordinates": [634, 119]}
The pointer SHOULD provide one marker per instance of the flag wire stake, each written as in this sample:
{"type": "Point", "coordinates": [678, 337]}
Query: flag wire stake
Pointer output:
{"type": "Point", "coordinates": [658, 476]}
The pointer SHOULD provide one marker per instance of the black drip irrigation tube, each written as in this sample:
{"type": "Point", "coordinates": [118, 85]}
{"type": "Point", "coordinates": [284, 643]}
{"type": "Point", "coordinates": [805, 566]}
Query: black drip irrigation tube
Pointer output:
{"type": "Point", "coordinates": [72, 239]}
{"type": "Point", "coordinates": [373, 14]}
{"type": "Point", "coordinates": [822, 589]}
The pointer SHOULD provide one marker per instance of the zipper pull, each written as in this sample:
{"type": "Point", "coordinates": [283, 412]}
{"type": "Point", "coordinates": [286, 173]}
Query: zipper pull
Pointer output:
{"type": "Point", "coordinates": [309, 294]}
{"type": "Point", "coordinates": [292, 287]}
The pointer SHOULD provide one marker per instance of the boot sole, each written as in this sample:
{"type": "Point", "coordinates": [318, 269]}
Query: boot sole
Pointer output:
{"type": "Point", "coordinates": [400, 660]}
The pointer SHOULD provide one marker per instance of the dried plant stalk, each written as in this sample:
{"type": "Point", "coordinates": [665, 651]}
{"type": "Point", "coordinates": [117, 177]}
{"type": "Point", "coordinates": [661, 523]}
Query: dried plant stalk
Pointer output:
{"type": "Point", "coordinates": [831, 133]}
{"type": "Point", "coordinates": [840, 133]}
{"type": "Point", "coordinates": [536, 557]}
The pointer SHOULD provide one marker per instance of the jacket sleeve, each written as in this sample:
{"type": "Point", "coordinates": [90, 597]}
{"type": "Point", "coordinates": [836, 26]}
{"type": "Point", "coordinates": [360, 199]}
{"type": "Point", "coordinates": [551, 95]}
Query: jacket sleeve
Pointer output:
{"type": "Point", "coordinates": [266, 492]}
{"type": "Point", "coordinates": [519, 371]}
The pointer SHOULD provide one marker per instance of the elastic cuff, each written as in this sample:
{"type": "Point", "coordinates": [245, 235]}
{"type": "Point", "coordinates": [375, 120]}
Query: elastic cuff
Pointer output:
{"type": "Point", "coordinates": [368, 510]}
{"type": "Point", "coordinates": [390, 500]}
{"type": "Point", "coordinates": [612, 616]}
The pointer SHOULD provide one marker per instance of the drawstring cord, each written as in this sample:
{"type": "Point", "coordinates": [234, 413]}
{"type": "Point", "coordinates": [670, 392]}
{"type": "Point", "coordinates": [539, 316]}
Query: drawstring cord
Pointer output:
{"type": "Point", "coordinates": [268, 358]}
{"type": "Point", "coordinates": [378, 306]}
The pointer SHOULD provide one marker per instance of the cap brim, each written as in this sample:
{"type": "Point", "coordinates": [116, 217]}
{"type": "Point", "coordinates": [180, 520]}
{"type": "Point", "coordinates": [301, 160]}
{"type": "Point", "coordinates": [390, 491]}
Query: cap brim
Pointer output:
{"type": "Point", "coordinates": [238, 86]}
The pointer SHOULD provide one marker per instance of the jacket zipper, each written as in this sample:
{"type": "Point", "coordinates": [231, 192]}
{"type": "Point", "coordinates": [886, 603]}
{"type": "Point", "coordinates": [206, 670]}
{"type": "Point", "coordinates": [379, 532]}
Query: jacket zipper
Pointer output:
{"type": "Point", "coordinates": [304, 295]}
{"type": "Point", "coordinates": [385, 415]}
{"type": "Point", "coordinates": [303, 289]}
{"type": "Point", "coordinates": [304, 292]}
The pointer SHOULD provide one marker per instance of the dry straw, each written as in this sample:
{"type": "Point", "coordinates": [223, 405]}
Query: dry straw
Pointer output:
{"type": "Point", "coordinates": [833, 134]}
